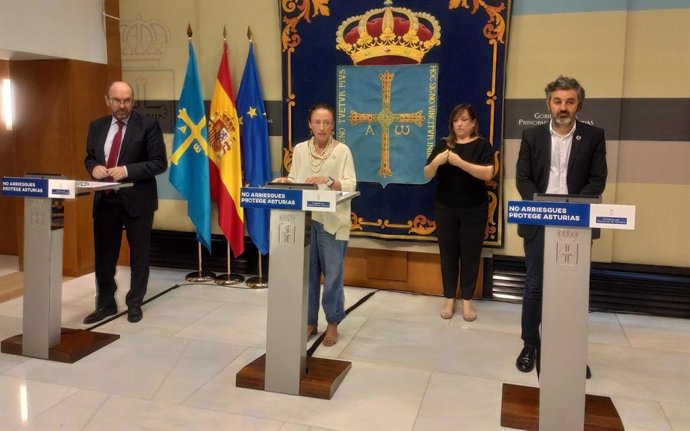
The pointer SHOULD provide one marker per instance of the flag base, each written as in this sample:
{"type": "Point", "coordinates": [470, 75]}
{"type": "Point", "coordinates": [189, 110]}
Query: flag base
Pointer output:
{"type": "Point", "coordinates": [200, 276]}
{"type": "Point", "coordinates": [257, 282]}
{"type": "Point", "coordinates": [229, 279]}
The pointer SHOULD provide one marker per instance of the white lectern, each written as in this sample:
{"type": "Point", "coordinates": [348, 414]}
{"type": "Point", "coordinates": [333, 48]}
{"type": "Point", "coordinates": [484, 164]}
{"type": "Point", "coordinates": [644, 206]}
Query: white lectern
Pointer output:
{"type": "Point", "coordinates": [561, 401]}
{"type": "Point", "coordinates": [42, 335]}
{"type": "Point", "coordinates": [285, 367]}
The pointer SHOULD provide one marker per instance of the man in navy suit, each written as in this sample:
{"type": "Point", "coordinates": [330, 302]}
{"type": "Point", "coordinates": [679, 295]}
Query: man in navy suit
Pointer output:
{"type": "Point", "coordinates": [128, 147]}
{"type": "Point", "coordinates": [564, 156]}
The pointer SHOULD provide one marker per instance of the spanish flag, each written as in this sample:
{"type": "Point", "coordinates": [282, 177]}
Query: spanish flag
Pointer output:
{"type": "Point", "coordinates": [225, 158]}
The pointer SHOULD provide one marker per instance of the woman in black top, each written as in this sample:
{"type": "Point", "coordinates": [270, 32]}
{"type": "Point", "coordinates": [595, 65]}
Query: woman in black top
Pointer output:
{"type": "Point", "coordinates": [462, 161]}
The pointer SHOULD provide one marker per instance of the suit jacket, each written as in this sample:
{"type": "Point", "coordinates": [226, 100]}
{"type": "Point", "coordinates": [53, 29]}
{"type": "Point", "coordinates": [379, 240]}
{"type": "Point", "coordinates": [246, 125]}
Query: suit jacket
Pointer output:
{"type": "Point", "coordinates": [586, 165]}
{"type": "Point", "coordinates": [143, 153]}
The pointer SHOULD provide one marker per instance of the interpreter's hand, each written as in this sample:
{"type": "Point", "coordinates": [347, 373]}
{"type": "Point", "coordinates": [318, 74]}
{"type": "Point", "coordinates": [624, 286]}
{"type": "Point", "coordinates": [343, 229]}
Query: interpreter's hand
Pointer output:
{"type": "Point", "coordinates": [118, 173]}
{"type": "Point", "coordinates": [317, 180]}
{"type": "Point", "coordinates": [442, 158]}
{"type": "Point", "coordinates": [454, 159]}
{"type": "Point", "coordinates": [100, 172]}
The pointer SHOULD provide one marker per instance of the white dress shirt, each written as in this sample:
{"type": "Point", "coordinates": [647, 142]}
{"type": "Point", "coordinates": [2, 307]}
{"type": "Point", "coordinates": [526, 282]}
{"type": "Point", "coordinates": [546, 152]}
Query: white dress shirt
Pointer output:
{"type": "Point", "coordinates": [560, 154]}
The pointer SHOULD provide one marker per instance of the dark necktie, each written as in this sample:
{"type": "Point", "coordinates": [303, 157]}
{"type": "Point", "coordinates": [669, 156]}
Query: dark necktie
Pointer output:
{"type": "Point", "coordinates": [115, 147]}
{"type": "Point", "coordinates": [114, 152]}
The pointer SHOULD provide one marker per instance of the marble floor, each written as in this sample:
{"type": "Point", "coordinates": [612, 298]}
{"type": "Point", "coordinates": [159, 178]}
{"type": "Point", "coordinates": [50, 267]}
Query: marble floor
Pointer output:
{"type": "Point", "coordinates": [411, 370]}
{"type": "Point", "coordinates": [8, 264]}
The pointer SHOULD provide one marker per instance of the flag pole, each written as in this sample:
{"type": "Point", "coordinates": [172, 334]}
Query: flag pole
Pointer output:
{"type": "Point", "coordinates": [200, 276]}
{"type": "Point", "coordinates": [229, 279]}
{"type": "Point", "coordinates": [259, 282]}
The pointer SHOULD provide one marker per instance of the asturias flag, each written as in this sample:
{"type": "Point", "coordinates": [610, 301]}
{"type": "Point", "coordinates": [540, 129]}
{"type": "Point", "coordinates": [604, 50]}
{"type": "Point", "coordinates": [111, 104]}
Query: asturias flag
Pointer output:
{"type": "Point", "coordinates": [225, 157]}
{"type": "Point", "coordinates": [189, 161]}
{"type": "Point", "coordinates": [254, 136]}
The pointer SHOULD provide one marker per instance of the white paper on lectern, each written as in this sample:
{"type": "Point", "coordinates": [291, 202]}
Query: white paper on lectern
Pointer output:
{"type": "Point", "coordinates": [343, 196]}
{"type": "Point", "coordinates": [608, 216]}
{"type": "Point", "coordinates": [61, 189]}
{"type": "Point", "coordinates": [96, 185]}
{"type": "Point", "coordinates": [318, 200]}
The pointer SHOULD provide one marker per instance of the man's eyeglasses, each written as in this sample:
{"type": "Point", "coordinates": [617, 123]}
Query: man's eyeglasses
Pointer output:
{"type": "Point", "coordinates": [118, 102]}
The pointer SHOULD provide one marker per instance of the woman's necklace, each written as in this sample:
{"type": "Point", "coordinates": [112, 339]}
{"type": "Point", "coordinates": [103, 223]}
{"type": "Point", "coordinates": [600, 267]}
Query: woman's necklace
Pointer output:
{"type": "Point", "coordinates": [317, 160]}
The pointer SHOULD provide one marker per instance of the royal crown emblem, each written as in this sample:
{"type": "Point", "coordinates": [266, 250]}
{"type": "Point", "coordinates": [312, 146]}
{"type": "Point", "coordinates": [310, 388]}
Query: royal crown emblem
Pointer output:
{"type": "Point", "coordinates": [143, 39]}
{"type": "Point", "coordinates": [388, 35]}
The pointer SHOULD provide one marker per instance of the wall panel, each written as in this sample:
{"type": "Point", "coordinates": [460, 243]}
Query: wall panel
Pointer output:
{"type": "Point", "coordinates": [55, 101]}
{"type": "Point", "coordinates": [8, 218]}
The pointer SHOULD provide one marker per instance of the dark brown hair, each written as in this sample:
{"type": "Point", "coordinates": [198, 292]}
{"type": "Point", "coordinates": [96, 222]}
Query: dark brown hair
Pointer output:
{"type": "Point", "coordinates": [565, 83]}
{"type": "Point", "coordinates": [455, 113]}
{"type": "Point", "coordinates": [325, 106]}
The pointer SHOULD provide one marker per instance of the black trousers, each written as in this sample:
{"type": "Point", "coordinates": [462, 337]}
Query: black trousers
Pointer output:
{"type": "Point", "coordinates": [108, 223]}
{"type": "Point", "coordinates": [460, 234]}
{"type": "Point", "coordinates": [532, 297]}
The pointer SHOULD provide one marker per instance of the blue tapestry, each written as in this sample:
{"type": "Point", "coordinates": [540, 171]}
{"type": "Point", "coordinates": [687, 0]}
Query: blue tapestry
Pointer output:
{"type": "Point", "coordinates": [392, 109]}
{"type": "Point", "coordinates": [394, 72]}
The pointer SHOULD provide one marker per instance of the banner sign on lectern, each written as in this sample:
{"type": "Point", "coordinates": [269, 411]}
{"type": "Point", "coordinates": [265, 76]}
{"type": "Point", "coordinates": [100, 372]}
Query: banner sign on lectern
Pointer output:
{"type": "Point", "coordinates": [288, 199]}
{"type": "Point", "coordinates": [38, 187]}
{"type": "Point", "coordinates": [54, 188]}
{"type": "Point", "coordinates": [572, 214]}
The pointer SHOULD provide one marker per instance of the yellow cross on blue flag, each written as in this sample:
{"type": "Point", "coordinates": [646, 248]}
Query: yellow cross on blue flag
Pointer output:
{"type": "Point", "coordinates": [189, 162]}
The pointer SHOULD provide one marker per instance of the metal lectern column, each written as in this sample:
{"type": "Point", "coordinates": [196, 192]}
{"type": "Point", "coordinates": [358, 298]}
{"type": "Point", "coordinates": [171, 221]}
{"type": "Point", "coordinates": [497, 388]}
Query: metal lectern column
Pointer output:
{"type": "Point", "coordinates": [565, 317]}
{"type": "Point", "coordinates": [286, 331]}
{"type": "Point", "coordinates": [561, 399]}
{"type": "Point", "coordinates": [42, 279]}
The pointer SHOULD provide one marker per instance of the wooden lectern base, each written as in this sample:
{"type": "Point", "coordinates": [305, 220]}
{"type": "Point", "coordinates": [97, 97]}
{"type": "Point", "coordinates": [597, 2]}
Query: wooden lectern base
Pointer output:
{"type": "Point", "coordinates": [74, 345]}
{"type": "Point", "coordinates": [520, 410]}
{"type": "Point", "coordinates": [321, 380]}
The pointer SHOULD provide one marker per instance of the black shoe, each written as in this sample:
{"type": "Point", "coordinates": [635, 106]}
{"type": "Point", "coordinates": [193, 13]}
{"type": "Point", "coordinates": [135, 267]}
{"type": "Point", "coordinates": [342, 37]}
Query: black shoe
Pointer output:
{"type": "Point", "coordinates": [100, 314]}
{"type": "Point", "coordinates": [526, 358]}
{"type": "Point", "coordinates": [588, 373]}
{"type": "Point", "coordinates": [134, 314]}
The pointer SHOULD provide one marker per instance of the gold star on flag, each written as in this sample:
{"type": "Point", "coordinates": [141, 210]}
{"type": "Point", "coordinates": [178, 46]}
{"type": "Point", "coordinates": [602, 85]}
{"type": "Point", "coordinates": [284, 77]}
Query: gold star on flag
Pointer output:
{"type": "Point", "coordinates": [252, 112]}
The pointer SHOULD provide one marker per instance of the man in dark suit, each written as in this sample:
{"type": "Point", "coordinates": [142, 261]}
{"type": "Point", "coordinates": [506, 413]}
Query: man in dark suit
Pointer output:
{"type": "Point", "coordinates": [129, 147]}
{"type": "Point", "coordinates": [564, 156]}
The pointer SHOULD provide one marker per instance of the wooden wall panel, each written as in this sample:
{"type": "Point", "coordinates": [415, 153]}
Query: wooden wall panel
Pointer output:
{"type": "Point", "coordinates": [112, 39]}
{"type": "Point", "coordinates": [87, 84]}
{"type": "Point", "coordinates": [40, 122]}
{"type": "Point", "coordinates": [397, 270]}
{"type": "Point", "coordinates": [55, 101]}
{"type": "Point", "coordinates": [114, 73]}
{"type": "Point", "coordinates": [387, 265]}
{"type": "Point", "coordinates": [8, 219]}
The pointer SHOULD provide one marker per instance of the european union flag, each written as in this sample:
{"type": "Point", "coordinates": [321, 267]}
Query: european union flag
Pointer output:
{"type": "Point", "coordinates": [254, 138]}
{"type": "Point", "coordinates": [189, 161]}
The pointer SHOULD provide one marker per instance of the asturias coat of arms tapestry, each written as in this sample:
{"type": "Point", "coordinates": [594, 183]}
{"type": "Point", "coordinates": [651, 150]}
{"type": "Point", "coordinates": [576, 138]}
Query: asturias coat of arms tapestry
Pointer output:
{"type": "Point", "coordinates": [393, 73]}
